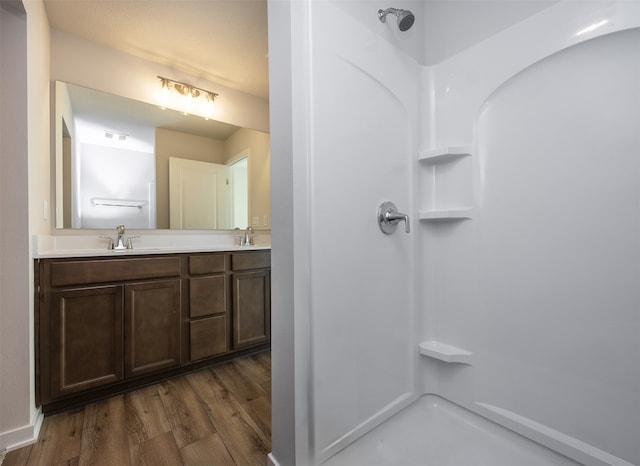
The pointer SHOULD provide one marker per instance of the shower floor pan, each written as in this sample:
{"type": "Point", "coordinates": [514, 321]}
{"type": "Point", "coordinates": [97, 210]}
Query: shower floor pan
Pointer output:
{"type": "Point", "coordinates": [435, 432]}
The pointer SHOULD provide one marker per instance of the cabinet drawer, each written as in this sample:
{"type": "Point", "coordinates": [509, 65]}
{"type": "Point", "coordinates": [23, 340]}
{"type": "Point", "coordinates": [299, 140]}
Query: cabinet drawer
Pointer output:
{"type": "Point", "coordinates": [207, 295]}
{"type": "Point", "coordinates": [251, 260]}
{"type": "Point", "coordinates": [207, 263]}
{"type": "Point", "coordinates": [208, 337]}
{"type": "Point", "coordinates": [97, 271]}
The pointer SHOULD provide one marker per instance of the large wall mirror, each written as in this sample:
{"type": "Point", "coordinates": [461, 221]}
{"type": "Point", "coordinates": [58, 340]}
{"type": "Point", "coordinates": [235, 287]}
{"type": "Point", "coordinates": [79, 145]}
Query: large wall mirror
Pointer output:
{"type": "Point", "coordinates": [121, 161]}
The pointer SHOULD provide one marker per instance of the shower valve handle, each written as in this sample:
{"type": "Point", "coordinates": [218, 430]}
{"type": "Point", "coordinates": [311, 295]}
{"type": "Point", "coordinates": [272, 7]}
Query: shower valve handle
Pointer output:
{"type": "Point", "coordinates": [389, 217]}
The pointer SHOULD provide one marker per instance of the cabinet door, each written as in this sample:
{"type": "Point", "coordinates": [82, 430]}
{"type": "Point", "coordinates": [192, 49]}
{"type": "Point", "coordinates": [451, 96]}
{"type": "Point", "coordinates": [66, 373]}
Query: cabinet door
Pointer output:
{"type": "Point", "coordinates": [86, 339]}
{"type": "Point", "coordinates": [152, 326]}
{"type": "Point", "coordinates": [251, 308]}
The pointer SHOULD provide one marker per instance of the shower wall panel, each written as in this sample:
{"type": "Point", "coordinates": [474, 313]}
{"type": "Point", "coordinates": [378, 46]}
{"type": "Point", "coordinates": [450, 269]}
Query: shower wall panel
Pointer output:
{"type": "Point", "coordinates": [363, 141]}
{"type": "Point", "coordinates": [557, 248]}
{"type": "Point", "coordinates": [542, 284]}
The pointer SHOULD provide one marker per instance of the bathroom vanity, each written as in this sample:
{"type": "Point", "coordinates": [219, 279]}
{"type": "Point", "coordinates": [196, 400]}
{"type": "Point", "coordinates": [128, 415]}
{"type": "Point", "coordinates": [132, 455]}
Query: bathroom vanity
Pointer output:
{"type": "Point", "coordinates": [112, 322]}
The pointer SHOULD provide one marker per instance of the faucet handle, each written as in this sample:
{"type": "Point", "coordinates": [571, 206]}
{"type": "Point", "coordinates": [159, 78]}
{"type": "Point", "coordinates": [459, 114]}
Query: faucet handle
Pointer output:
{"type": "Point", "coordinates": [129, 242]}
{"type": "Point", "coordinates": [248, 236]}
{"type": "Point", "coordinates": [110, 244]}
{"type": "Point", "coordinates": [388, 218]}
{"type": "Point", "coordinates": [238, 235]}
{"type": "Point", "coordinates": [120, 229]}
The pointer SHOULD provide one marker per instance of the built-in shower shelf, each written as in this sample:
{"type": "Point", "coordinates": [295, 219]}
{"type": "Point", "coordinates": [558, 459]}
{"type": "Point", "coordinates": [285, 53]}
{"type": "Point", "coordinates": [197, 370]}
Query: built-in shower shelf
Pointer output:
{"type": "Point", "coordinates": [444, 154]}
{"type": "Point", "coordinates": [445, 352]}
{"type": "Point", "coordinates": [461, 213]}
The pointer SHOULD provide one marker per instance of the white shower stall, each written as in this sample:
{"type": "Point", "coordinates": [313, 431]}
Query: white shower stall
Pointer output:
{"type": "Point", "coordinates": [504, 328]}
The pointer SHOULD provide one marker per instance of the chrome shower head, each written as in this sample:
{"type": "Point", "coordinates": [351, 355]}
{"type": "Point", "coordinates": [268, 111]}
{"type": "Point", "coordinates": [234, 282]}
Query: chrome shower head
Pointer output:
{"type": "Point", "coordinates": [405, 17]}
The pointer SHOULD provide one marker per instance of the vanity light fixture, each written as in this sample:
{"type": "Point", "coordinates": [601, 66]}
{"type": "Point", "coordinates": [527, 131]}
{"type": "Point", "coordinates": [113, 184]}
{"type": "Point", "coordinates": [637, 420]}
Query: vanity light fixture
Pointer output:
{"type": "Point", "coordinates": [189, 92]}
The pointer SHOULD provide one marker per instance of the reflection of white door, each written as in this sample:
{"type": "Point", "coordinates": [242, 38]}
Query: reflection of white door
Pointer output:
{"type": "Point", "coordinates": [198, 197]}
{"type": "Point", "coordinates": [238, 174]}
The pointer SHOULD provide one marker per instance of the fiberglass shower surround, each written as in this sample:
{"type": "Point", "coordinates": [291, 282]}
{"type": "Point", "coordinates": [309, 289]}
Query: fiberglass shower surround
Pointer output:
{"type": "Point", "coordinates": [516, 295]}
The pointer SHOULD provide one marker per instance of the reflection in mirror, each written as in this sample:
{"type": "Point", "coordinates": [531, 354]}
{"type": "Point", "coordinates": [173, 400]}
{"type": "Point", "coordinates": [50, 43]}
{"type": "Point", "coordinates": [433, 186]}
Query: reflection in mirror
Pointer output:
{"type": "Point", "coordinates": [120, 161]}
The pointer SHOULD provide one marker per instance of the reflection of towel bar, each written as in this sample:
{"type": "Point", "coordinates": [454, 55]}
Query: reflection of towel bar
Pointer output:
{"type": "Point", "coordinates": [96, 201]}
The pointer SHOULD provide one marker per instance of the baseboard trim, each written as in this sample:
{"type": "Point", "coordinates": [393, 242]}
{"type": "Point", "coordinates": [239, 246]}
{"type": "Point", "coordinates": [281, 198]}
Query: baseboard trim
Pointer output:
{"type": "Point", "coordinates": [271, 461]}
{"type": "Point", "coordinates": [22, 436]}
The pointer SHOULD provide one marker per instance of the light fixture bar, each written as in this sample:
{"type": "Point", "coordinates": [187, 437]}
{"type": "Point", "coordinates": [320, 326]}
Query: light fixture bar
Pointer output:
{"type": "Point", "coordinates": [187, 89]}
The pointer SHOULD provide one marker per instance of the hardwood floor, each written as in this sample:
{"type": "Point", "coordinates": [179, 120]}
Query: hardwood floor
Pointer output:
{"type": "Point", "coordinates": [217, 416]}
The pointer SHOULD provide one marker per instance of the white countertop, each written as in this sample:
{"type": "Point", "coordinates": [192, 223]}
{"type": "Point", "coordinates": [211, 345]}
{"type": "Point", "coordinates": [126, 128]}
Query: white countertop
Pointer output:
{"type": "Point", "coordinates": [60, 246]}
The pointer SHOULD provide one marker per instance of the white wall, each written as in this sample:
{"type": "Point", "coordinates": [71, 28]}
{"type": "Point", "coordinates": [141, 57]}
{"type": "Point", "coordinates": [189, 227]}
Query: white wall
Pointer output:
{"type": "Point", "coordinates": [288, 78]}
{"type": "Point", "coordinates": [452, 27]}
{"type": "Point", "coordinates": [23, 180]}
{"type": "Point", "coordinates": [14, 271]}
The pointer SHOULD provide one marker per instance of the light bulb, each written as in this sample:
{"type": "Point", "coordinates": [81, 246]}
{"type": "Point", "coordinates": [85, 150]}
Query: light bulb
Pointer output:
{"type": "Point", "coordinates": [164, 93]}
{"type": "Point", "coordinates": [188, 102]}
{"type": "Point", "coordinates": [208, 106]}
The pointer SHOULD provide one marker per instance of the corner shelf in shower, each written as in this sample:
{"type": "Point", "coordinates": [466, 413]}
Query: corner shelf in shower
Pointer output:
{"type": "Point", "coordinates": [444, 154]}
{"type": "Point", "coordinates": [445, 352]}
{"type": "Point", "coordinates": [439, 215]}
{"type": "Point", "coordinates": [440, 178]}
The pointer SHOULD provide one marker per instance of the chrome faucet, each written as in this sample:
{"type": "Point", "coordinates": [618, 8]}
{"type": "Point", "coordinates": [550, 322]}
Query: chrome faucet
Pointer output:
{"type": "Point", "coordinates": [247, 238]}
{"type": "Point", "coordinates": [119, 243]}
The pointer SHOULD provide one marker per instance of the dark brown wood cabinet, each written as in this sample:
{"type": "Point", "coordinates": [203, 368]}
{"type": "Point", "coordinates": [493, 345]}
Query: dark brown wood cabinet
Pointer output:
{"type": "Point", "coordinates": [107, 324]}
{"type": "Point", "coordinates": [251, 308]}
{"type": "Point", "coordinates": [152, 327]}
{"type": "Point", "coordinates": [251, 299]}
{"type": "Point", "coordinates": [86, 339]}
{"type": "Point", "coordinates": [208, 305]}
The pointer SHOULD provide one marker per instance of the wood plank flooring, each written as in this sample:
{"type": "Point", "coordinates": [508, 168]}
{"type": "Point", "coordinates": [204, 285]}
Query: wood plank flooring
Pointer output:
{"type": "Point", "coordinates": [219, 416]}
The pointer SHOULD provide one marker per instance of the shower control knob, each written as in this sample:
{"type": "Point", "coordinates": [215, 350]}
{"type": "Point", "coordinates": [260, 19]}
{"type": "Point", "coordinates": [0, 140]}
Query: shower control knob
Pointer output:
{"type": "Point", "coordinates": [389, 217]}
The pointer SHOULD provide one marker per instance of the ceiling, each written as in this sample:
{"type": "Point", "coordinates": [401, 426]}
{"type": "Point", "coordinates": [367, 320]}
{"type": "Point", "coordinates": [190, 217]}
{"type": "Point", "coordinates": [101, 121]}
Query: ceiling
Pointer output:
{"type": "Point", "coordinates": [224, 41]}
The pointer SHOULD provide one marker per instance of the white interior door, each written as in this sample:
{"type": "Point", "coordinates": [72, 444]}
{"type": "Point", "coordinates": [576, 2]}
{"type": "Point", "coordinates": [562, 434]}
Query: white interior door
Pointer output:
{"type": "Point", "coordinates": [239, 189]}
{"type": "Point", "coordinates": [198, 197]}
